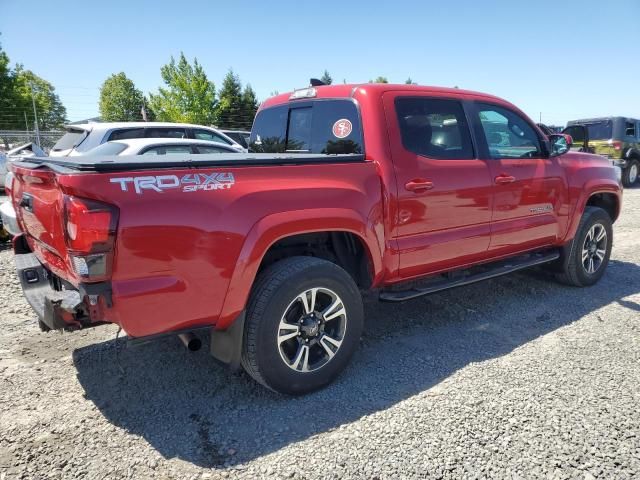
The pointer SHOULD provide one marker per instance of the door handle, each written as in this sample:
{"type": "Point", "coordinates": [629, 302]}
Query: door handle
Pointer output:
{"type": "Point", "coordinates": [502, 179]}
{"type": "Point", "coordinates": [418, 185]}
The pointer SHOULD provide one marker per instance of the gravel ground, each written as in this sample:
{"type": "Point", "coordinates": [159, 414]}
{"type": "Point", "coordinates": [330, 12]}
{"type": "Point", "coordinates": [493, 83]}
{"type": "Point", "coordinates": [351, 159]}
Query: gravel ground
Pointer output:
{"type": "Point", "coordinates": [517, 377]}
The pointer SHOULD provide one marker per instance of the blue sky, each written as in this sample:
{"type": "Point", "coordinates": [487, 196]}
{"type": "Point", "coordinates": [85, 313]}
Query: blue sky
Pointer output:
{"type": "Point", "coordinates": [566, 59]}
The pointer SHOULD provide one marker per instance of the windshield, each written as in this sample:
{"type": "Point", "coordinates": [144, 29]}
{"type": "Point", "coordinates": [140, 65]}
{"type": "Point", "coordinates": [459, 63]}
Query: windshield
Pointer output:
{"type": "Point", "coordinates": [600, 130]}
{"type": "Point", "coordinates": [71, 139]}
{"type": "Point", "coordinates": [109, 148]}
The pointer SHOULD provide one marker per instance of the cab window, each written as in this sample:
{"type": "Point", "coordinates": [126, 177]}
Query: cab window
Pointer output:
{"type": "Point", "coordinates": [317, 126]}
{"type": "Point", "coordinates": [434, 128]}
{"type": "Point", "coordinates": [508, 135]}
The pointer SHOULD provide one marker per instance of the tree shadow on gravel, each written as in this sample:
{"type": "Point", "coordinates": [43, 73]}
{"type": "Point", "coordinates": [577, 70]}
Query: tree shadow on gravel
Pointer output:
{"type": "Point", "coordinates": [187, 406]}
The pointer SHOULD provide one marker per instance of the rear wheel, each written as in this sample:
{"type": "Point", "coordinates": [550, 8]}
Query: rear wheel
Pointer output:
{"type": "Point", "coordinates": [590, 250]}
{"type": "Point", "coordinates": [630, 173]}
{"type": "Point", "coordinates": [304, 321]}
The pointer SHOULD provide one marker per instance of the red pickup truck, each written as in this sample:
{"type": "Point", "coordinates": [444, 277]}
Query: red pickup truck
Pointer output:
{"type": "Point", "coordinates": [404, 189]}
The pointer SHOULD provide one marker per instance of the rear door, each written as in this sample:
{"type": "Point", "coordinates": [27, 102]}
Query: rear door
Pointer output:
{"type": "Point", "coordinates": [444, 191]}
{"type": "Point", "coordinates": [529, 187]}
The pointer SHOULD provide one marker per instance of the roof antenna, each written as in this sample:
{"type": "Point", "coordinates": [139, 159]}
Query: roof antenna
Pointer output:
{"type": "Point", "coordinates": [316, 83]}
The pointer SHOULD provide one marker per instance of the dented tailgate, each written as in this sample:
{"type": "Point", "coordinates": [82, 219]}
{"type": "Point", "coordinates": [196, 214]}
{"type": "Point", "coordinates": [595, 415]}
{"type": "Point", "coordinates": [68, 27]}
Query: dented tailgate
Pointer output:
{"type": "Point", "coordinates": [39, 210]}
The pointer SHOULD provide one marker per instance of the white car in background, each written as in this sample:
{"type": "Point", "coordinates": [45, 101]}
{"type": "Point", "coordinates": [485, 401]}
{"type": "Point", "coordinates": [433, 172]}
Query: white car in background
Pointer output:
{"type": "Point", "coordinates": [159, 146]}
{"type": "Point", "coordinates": [3, 168]}
{"type": "Point", "coordinates": [26, 150]}
{"type": "Point", "coordinates": [81, 138]}
{"type": "Point", "coordinates": [133, 146]}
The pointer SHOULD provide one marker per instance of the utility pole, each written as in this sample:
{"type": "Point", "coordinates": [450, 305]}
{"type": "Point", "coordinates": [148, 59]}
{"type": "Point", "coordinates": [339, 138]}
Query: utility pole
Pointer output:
{"type": "Point", "coordinates": [143, 111]}
{"type": "Point", "coordinates": [540, 117]}
{"type": "Point", "coordinates": [35, 115]}
{"type": "Point", "coordinates": [26, 124]}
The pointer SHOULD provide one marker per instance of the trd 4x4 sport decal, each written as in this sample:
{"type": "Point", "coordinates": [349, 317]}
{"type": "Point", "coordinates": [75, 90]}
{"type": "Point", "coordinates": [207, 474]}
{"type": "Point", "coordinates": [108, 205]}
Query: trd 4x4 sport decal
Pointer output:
{"type": "Point", "coordinates": [192, 182]}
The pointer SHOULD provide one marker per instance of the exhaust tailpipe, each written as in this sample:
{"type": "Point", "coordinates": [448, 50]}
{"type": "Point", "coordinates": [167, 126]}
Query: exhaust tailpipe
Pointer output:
{"type": "Point", "coordinates": [190, 341]}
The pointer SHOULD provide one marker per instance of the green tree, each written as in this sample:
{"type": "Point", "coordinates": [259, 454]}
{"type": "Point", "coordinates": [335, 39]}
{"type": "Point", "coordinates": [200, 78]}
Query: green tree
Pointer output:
{"type": "Point", "coordinates": [50, 111]}
{"type": "Point", "coordinates": [189, 96]}
{"type": "Point", "coordinates": [9, 113]}
{"type": "Point", "coordinates": [120, 100]}
{"type": "Point", "coordinates": [326, 78]}
{"type": "Point", "coordinates": [249, 107]}
{"type": "Point", "coordinates": [408, 81]}
{"type": "Point", "coordinates": [379, 80]}
{"type": "Point", "coordinates": [230, 105]}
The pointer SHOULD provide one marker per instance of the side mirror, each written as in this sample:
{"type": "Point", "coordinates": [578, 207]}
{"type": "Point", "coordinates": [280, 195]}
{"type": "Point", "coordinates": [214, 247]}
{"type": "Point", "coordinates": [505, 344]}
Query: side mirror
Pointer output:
{"type": "Point", "coordinates": [560, 144]}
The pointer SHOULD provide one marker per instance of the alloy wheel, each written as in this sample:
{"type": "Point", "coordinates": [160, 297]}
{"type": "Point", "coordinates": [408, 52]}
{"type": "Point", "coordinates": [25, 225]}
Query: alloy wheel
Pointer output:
{"type": "Point", "coordinates": [594, 248]}
{"type": "Point", "coordinates": [312, 329]}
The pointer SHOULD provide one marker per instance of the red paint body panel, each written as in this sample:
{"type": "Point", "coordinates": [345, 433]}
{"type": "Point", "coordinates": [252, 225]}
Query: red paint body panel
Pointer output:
{"type": "Point", "coordinates": [189, 259]}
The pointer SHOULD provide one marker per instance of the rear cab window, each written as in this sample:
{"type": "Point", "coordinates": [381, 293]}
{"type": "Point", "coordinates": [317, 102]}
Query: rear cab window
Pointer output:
{"type": "Point", "coordinates": [323, 126]}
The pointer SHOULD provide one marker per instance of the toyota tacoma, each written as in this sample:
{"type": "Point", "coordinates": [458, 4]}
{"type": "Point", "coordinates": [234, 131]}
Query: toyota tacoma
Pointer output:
{"type": "Point", "coordinates": [405, 190]}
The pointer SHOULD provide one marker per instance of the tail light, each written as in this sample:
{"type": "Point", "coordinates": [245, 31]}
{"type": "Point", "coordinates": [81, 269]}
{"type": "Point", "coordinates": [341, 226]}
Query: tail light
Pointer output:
{"type": "Point", "coordinates": [616, 144]}
{"type": "Point", "coordinates": [90, 230]}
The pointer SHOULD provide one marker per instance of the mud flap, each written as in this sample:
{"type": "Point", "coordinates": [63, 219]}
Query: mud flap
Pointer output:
{"type": "Point", "coordinates": [226, 345]}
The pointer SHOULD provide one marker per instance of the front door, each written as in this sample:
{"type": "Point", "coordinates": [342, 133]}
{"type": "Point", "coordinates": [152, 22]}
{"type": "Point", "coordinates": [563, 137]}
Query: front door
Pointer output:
{"type": "Point", "coordinates": [529, 186]}
{"type": "Point", "coordinates": [443, 191]}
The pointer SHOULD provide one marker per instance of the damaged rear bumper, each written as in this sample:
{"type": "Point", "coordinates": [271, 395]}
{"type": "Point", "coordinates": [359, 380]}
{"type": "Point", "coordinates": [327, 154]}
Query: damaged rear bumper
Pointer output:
{"type": "Point", "coordinates": [56, 308]}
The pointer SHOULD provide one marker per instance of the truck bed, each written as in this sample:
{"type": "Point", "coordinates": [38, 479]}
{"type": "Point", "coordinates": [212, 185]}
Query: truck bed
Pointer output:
{"type": "Point", "coordinates": [178, 254]}
{"type": "Point", "coordinates": [115, 163]}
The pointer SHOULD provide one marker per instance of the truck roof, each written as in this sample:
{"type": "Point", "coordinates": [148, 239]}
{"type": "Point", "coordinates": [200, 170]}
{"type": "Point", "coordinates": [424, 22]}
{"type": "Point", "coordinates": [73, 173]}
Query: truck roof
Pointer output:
{"type": "Point", "coordinates": [350, 89]}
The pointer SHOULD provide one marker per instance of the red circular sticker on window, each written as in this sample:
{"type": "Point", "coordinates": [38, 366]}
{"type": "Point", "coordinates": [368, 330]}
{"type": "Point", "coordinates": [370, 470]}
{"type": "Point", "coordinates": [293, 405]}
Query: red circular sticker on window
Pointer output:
{"type": "Point", "coordinates": [342, 128]}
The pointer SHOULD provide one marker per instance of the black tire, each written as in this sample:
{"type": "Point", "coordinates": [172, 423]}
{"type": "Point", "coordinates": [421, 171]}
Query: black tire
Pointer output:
{"type": "Point", "coordinates": [630, 173]}
{"type": "Point", "coordinates": [574, 272]}
{"type": "Point", "coordinates": [273, 295]}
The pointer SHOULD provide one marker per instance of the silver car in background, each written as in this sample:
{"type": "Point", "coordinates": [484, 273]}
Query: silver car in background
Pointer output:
{"type": "Point", "coordinates": [159, 146]}
{"type": "Point", "coordinates": [80, 138]}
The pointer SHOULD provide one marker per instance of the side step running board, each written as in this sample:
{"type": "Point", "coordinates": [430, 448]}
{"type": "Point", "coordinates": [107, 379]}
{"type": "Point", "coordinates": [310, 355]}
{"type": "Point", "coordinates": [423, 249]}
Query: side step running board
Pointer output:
{"type": "Point", "coordinates": [476, 274]}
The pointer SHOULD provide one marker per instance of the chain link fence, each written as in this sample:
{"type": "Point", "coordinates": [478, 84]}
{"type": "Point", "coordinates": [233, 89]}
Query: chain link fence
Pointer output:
{"type": "Point", "coordinates": [13, 138]}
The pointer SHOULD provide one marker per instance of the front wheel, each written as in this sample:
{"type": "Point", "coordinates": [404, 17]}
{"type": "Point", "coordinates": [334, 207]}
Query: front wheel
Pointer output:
{"type": "Point", "coordinates": [630, 173]}
{"type": "Point", "coordinates": [590, 250]}
{"type": "Point", "coordinates": [304, 321]}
